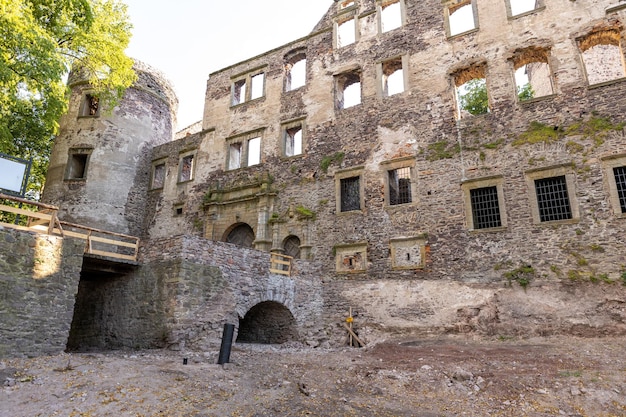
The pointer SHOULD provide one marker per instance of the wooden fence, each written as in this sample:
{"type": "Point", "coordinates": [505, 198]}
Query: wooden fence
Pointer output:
{"type": "Point", "coordinates": [45, 220]}
{"type": "Point", "coordinates": [280, 264]}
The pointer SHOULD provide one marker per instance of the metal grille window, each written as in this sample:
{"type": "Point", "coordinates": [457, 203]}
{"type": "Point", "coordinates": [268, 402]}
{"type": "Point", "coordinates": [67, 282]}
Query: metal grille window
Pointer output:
{"type": "Point", "coordinates": [620, 181]}
{"type": "Point", "coordinates": [485, 207]}
{"type": "Point", "coordinates": [552, 199]}
{"type": "Point", "coordinates": [350, 194]}
{"type": "Point", "coordinates": [399, 186]}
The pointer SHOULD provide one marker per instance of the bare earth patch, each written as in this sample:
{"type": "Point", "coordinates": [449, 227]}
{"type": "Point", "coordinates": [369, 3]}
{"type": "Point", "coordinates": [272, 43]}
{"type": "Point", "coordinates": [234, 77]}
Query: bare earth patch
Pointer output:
{"type": "Point", "coordinates": [447, 376]}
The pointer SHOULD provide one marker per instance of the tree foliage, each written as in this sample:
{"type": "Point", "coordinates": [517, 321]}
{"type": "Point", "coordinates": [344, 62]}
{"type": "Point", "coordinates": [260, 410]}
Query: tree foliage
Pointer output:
{"type": "Point", "coordinates": [473, 96]}
{"type": "Point", "coordinates": [40, 41]}
{"type": "Point", "coordinates": [525, 92]}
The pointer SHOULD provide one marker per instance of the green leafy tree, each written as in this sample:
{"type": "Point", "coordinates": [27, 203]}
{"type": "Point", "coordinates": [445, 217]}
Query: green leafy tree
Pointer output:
{"type": "Point", "coordinates": [473, 96]}
{"type": "Point", "coordinates": [525, 92]}
{"type": "Point", "coordinates": [40, 41]}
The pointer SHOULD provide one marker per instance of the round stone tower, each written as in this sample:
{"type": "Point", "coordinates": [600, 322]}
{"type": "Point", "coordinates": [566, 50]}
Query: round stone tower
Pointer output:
{"type": "Point", "coordinates": [101, 159]}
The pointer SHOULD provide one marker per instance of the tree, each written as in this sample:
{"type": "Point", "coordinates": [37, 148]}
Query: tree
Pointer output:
{"type": "Point", "coordinates": [473, 96]}
{"type": "Point", "coordinates": [41, 40]}
{"type": "Point", "coordinates": [525, 92]}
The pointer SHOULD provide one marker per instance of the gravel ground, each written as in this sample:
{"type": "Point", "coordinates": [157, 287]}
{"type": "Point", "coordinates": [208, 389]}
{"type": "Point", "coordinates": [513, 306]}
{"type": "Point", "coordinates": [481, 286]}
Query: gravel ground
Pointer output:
{"type": "Point", "coordinates": [445, 376]}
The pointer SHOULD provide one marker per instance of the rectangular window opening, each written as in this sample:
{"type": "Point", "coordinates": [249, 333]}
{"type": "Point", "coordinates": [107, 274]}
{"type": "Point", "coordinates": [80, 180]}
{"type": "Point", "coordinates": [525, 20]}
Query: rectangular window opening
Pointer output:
{"type": "Point", "coordinates": [158, 176]}
{"type": "Point", "coordinates": [472, 98]}
{"type": "Point", "coordinates": [461, 18]}
{"type": "Point", "coordinates": [254, 151]}
{"type": "Point", "coordinates": [77, 169]}
{"type": "Point", "coordinates": [522, 6]}
{"type": "Point", "coordinates": [346, 33]}
{"type": "Point", "coordinates": [553, 199]}
{"type": "Point", "coordinates": [295, 74]}
{"type": "Point", "coordinates": [239, 92]}
{"type": "Point", "coordinates": [620, 182]}
{"type": "Point", "coordinates": [90, 106]}
{"type": "Point", "coordinates": [186, 168]}
{"type": "Point", "coordinates": [485, 207]}
{"type": "Point", "coordinates": [257, 86]}
{"type": "Point", "coordinates": [533, 80]}
{"type": "Point", "coordinates": [393, 77]}
{"type": "Point", "coordinates": [603, 63]}
{"type": "Point", "coordinates": [390, 16]}
{"type": "Point", "coordinates": [293, 141]}
{"type": "Point", "coordinates": [399, 186]}
{"type": "Point", "coordinates": [234, 155]}
{"type": "Point", "coordinates": [350, 194]}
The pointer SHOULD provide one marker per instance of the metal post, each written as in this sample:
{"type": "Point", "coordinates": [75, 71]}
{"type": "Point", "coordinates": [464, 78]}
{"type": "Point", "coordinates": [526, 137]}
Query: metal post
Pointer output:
{"type": "Point", "coordinates": [227, 342]}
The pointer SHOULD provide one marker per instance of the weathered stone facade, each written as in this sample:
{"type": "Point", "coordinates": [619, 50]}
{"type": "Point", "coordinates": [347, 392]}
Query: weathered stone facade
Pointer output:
{"type": "Point", "coordinates": [508, 222]}
{"type": "Point", "coordinates": [39, 278]}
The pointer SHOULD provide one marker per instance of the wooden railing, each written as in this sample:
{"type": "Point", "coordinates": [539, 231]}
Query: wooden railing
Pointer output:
{"type": "Point", "coordinates": [280, 264]}
{"type": "Point", "coordinates": [45, 220]}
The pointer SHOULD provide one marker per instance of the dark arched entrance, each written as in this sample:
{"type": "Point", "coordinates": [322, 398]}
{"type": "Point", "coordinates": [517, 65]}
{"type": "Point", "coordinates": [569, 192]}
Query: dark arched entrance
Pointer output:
{"type": "Point", "coordinates": [268, 322]}
{"type": "Point", "coordinates": [241, 235]}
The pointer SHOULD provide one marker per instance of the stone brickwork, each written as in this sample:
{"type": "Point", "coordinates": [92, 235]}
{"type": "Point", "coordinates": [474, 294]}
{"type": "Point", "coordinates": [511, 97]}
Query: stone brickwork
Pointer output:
{"type": "Point", "coordinates": [39, 278]}
{"type": "Point", "coordinates": [208, 284]}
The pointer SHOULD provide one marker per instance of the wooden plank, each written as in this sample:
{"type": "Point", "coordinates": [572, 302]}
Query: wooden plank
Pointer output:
{"type": "Point", "coordinates": [275, 261]}
{"type": "Point", "coordinates": [29, 202]}
{"type": "Point", "coordinates": [113, 242]}
{"type": "Point", "coordinates": [279, 271]}
{"type": "Point", "coordinates": [353, 334]}
{"type": "Point", "coordinates": [24, 212]}
{"type": "Point", "coordinates": [24, 228]}
{"type": "Point", "coordinates": [112, 255]}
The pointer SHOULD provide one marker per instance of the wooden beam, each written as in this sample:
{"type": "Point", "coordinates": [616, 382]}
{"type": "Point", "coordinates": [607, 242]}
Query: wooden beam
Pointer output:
{"type": "Point", "coordinates": [362, 343]}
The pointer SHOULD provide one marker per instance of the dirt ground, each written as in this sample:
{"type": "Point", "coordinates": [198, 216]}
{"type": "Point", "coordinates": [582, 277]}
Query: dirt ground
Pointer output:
{"type": "Point", "coordinates": [444, 376]}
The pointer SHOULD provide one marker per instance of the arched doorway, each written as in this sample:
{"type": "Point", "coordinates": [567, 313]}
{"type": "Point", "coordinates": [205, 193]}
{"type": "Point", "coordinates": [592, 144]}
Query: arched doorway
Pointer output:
{"type": "Point", "coordinates": [268, 322]}
{"type": "Point", "coordinates": [240, 235]}
{"type": "Point", "coordinates": [291, 246]}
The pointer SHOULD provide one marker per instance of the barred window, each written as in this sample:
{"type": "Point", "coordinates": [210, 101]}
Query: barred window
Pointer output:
{"type": "Point", "coordinates": [553, 199]}
{"type": "Point", "coordinates": [485, 207]}
{"type": "Point", "coordinates": [350, 194]}
{"type": "Point", "coordinates": [620, 182]}
{"type": "Point", "coordinates": [399, 186]}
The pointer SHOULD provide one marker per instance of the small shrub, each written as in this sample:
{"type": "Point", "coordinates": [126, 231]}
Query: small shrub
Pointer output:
{"type": "Point", "coordinates": [523, 275]}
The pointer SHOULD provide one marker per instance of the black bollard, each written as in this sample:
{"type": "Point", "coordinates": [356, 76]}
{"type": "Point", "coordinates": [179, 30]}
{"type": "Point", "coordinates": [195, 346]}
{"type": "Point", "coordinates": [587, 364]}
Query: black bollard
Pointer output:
{"type": "Point", "coordinates": [227, 342]}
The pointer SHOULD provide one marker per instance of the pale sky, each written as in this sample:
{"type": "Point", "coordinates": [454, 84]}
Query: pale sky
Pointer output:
{"type": "Point", "coordinates": [188, 39]}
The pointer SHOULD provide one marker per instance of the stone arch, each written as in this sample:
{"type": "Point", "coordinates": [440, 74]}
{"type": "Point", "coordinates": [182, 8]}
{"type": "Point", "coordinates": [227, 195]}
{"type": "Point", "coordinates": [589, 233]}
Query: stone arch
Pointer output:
{"type": "Point", "coordinates": [291, 246]}
{"type": "Point", "coordinates": [268, 322]}
{"type": "Point", "coordinates": [240, 234]}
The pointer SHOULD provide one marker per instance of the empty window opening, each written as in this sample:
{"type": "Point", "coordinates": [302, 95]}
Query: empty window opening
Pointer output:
{"type": "Point", "coordinates": [293, 141]}
{"type": "Point", "coordinates": [399, 186]}
{"type": "Point", "coordinates": [346, 33]}
{"type": "Point", "coordinates": [239, 92]}
{"type": "Point", "coordinates": [533, 77]}
{"type": "Point", "coordinates": [523, 6]}
{"type": "Point", "coordinates": [390, 16]}
{"type": "Point", "coordinates": [234, 155]}
{"type": "Point", "coordinates": [254, 151]}
{"type": "Point", "coordinates": [257, 86]}
{"type": "Point", "coordinates": [348, 88]}
{"type": "Point", "coordinates": [186, 168]}
{"type": "Point", "coordinates": [485, 207]}
{"type": "Point", "coordinates": [77, 166]}
{"type": "Point", "coordinates": [291, 246]}
{"type": "Point", "coordinates": [350, 194]}
{"type": "Point", "coordinates": [295, 73]}
{"type": "Point", "coordinates": [158, 176]}
{"type": "Point", "coordinates": [393, 77]}
{"type": "Point", "coordinates": [91, 106]}
{"type": "Point", "coordinates": [268, 322]}
{"type": "Point", "coordinates": [553, 199]}
{"type": "Point", "coordinates": [620, 182]}
{"type": "Point", "coordinates": [178, 211]}
{"type": "Point", "coordinates": [241, 235]}
{"type": "Point", "coordinates": [472, 98]}
{"type": "Point", "coordinates": [461, 18]}
{"type": "Point", "coordinates": [603, 62]}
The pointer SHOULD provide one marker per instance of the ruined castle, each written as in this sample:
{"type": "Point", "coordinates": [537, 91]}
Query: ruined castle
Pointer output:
{"type": "Point", "coordinates": [353, 156]}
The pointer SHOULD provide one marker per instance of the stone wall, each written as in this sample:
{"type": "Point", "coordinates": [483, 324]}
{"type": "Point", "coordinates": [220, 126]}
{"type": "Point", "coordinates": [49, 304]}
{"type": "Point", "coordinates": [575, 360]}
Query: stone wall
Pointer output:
{"type": "Point", "coordinates": [39, 278]}
{"type": "Point", "coordinates": [208, 284]}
